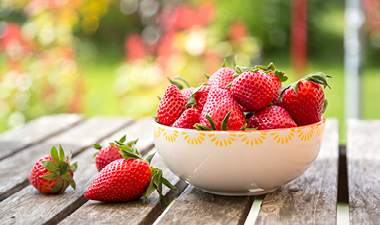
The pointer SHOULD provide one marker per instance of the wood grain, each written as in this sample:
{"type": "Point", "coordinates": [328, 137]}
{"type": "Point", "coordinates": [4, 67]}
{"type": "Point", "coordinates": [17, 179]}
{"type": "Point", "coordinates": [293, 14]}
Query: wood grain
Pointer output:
{"type": "Point", "coordinates": [35, 131]}
{"type": "Point", "coordinates": [50, 209]}
{"type": "Point", "coordinates": [14, 170]}
{"type": "Point", "coordinates": [311, 198]}
{"type": "Point", "coordinates": [38, 129]}
{"type": "Point", "coordinates": [194, 206]}
{"type": "Point", "coordinates": [135, 212]}
{"type": "Point", "coordinates": [363, 167]}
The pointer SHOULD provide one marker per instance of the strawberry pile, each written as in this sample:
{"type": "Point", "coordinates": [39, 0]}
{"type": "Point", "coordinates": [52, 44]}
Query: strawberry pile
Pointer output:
{"type": "Point", "coordinates": [243, 99]}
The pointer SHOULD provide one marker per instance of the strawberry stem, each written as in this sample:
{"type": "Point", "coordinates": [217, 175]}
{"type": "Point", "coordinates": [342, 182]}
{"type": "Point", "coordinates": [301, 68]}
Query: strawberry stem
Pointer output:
{"type": "Point", "coordinates": [213, 127]}
{"type": "Point", "coordinates": [60, 168]}
{"type": "Point", "coordinates": [225, 121]}
{"type": "Point", "coordinates": [191, 101]}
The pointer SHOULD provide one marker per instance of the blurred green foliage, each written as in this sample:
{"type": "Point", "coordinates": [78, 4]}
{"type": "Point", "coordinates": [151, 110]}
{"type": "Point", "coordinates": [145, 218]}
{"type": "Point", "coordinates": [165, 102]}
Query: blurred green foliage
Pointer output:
{"type": "Point", "coordinates": [112, 57]}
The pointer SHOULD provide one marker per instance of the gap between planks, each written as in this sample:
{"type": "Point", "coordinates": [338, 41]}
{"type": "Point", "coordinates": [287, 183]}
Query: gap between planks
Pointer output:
{"type": "Point", "coordinates": [25, 182]}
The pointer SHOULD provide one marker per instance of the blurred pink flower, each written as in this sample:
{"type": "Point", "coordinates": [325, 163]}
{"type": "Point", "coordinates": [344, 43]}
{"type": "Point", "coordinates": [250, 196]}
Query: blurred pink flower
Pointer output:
{"type": "Point", "coordinates": [134, 47]}
{"type": "Point", "coordinates": [238, 31]}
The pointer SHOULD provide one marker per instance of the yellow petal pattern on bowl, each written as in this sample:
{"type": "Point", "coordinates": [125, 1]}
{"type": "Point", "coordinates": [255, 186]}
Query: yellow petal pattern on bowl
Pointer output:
{"type": "Point", "coordinates": [283, 138]}
{"type": "Point", "coordinates": [222, 141]}
{"type": "Point", "coordinates": [253, 141]}
{"type": "Point", "coordinates": [157, 132]}
{"type": "Point", "coordinates": [193, 140]}
{"type": "Point", "coordinates": [304, 134]}
{"type": "Point", "coordinates": [170, 135]}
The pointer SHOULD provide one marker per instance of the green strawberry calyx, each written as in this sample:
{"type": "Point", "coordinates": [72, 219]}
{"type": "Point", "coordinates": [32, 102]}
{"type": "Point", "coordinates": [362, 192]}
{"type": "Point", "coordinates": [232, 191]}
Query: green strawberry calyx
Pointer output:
{"type": "Point", "coordinates": [98, 146]}
{"type": "Point", "coordinates": [61, 169]}
{"type": "Point", "coordinates": [266, 69]}
{"type": "Point", "coordinates": [191, 101]}
{"type": "Point", "coordinates": [129, 151]}
{"type": "Point", "coordinates": [199, 126]}
{"type": "Point", "coordinates": [179, 85]}
{"type": "Point", "coordinates": [317, 77]}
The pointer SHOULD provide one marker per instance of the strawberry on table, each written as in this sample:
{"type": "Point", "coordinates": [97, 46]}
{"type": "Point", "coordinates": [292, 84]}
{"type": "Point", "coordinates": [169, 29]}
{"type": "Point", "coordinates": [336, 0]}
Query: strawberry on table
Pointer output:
{"type": "Point", "coordinates": [108, 153]}
{"type": "Point", "coordinates": [272, 117]}
{"type": "Point", "coordinates": [220, 103]}
{"type": "Point", "coordinates": [171, 105]}
{"type": "Point", "coordinates": [127, 179]}
{"type": "Point", "coordinates": [188, 119]}
{"type": "Point", "coordinates": [53, 173]}
{"type": "Point", "coordinates": [305, 100]}
{"type": "Point", "coordinates": [253, 90]}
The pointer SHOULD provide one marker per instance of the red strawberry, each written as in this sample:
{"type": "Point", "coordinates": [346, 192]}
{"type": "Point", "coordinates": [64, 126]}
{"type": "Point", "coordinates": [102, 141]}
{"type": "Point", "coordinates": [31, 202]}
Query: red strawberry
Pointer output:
{"type": "Point", "coordinates": [199, 97]}
{"type": "Point", "coordinates": [171, 105]}
{"type": "Point", "coordinates": [219, 103]}
{"type": "Point", "coordinates": [277, 77]}
{"type": "Point", "coordinates": [253, 90]}
{"type": "Point", "coordinates": [273, 117]}
{"type": "Point", "coordinates": [53, 173]}
{"type": "Point", "coordinates": [108, 154]}
{"type": "Point", "coordinates": [187, 92]}
{"type": "Point", "coordinates": [188, 119]}
{"type": "Point", "coordinates": [277, 85]}
{"type": "Point", "coordinates": [121, 180]}
{"type": "Point", "coordinates": [305, 100]}
{"type": "Point", "coordinates": [127, 179]}
{"type": "Point", "coordinates": [221, 78]}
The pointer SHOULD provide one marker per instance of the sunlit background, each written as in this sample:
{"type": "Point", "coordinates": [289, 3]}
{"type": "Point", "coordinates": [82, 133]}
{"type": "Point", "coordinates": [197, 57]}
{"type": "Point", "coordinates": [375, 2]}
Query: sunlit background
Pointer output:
{"type": "Point", "coordinates": [113, 57]}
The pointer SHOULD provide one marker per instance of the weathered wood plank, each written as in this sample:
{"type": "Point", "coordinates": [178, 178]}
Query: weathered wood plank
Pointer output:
{"type": "Point", "coordinates": [91, 131]}
{"type": "Point", "coordinates": [194, 206]}
{"type": "Point", "coordinates": [134, 212]}
{"type": "Point", "coordinates": [50, 209]}
{"type": "Point", "coordinates": [35, 131]}
{"type": "Point", "coordinates": [38, 129]}
{"type": "Point", "coordinates": [363, 167]}
{"type": "Point", "coordinates": [140, 129]}
{"type": "Point", "coordinates": [14, 170]}
{"type": "Point", "coordinates": [311, 198]}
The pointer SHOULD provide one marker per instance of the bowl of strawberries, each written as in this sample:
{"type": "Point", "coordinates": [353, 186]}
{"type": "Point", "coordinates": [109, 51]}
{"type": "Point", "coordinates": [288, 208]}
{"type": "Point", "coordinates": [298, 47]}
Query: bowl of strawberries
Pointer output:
{"type": "Point", "coordinates": [241, 133]}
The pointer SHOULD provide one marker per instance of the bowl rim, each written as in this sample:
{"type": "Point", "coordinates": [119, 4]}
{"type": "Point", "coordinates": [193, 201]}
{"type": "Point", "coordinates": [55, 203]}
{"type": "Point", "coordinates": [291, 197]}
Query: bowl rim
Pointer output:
{"type": "Point", "coordinates": [322, 121]}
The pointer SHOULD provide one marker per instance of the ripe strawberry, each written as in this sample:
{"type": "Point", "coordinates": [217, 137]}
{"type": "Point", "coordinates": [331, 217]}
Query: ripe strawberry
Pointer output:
{"type": "Point", "coordinates": [219, 103]}
{"type": "Point", "coordinates": [253, 90]}
{"type": "Point", "coordinates": [277, 85]}
{"type": "Point", "coordinates": [277, 77]}
{"type": "Point", "coordinates": [273, 117]}
{"type": "Point", "coordinates": [187, 92]}
{"type": "Point", "coordinates": [198, 98]}
{"type": "Point", "coordinates": [304, 99]}
{"type": "Point", "coordinates": [108, 153]}
{"type": "Point", "coordinates": [221, 78]}
{"type": "Point", "coordinates": [188, 119]}
{"type": "Point", "coordinates": [171, 105]}
{"type": "Point", "coordinates": [127, 179]}
{"type": "Point", "coordinates": [53, 173]}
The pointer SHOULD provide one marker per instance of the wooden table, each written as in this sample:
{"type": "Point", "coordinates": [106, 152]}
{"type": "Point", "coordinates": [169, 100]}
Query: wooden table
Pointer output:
{"type": "Point", "coordinates": [310, 199]}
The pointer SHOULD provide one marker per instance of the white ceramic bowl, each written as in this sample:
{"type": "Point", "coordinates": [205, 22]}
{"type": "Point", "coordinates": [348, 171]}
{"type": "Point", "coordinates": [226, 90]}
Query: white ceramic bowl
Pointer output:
{"type": "Point", "coordinates": [238, 162]}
